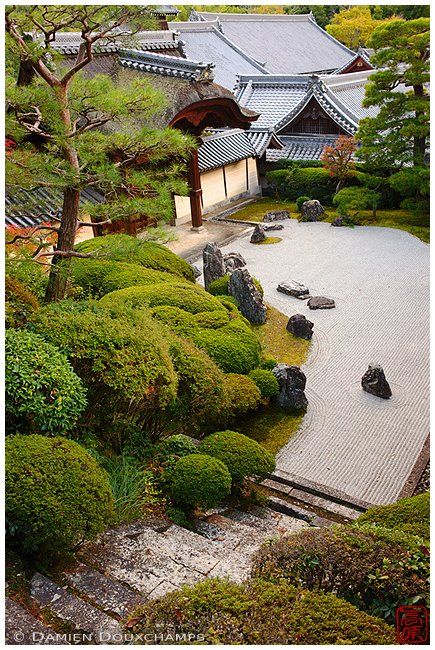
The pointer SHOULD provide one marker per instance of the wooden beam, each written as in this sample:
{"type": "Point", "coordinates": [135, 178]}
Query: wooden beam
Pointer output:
{"type": "Point", "coordinates": [195, 191]}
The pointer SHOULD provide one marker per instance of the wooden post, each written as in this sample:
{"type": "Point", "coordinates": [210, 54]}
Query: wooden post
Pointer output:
{"type": "Point", "coordinates": [195, 192]}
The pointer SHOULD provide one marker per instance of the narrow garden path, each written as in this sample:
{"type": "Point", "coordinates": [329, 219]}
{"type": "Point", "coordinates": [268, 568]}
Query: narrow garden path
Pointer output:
{"type": "Point", "coordinates": [379, 277]}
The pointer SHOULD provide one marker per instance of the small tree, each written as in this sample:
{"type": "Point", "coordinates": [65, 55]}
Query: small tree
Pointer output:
{"type": "Point", "coordinates": [56, 116]}
{"type": "Point", "coordinates": [338, 159]}
{"type": "Point", "coordinates": [355, 199]}
{"type": "Point", "coordinates": [398, 134]}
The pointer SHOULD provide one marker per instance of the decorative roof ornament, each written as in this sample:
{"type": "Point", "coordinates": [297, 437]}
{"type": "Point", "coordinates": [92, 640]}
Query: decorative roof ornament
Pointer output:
{"type": "Point", "coordinates": [195, 17]}
{"type": "Point", "coordinates": [219, 25]}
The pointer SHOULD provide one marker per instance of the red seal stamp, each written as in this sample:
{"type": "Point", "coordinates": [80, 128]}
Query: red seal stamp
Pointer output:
{"type": "Point", "coordinates": [412, 625]}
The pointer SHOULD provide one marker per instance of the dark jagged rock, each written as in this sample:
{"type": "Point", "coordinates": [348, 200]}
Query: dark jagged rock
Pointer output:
{"type": "Point", "coordinates": [312, 211]}
{"type": "Point", "coordinates": [291, 381]}
{"type": "Point", "coordinates": [374, 382]}
{"type": "Point", "coordinates": [276, 215]}
{"type": "Point", "coordinates": [275, 226]}
{"type": "Point", "coordinates": [249, 299]}
{"type": "Point", "coordinates": [320, 302]}
{"type": "Point", "coordinates": [214, 267]}
{"type": "Point", "coordinates": [300, 327]}
{"type": "Point", "coordinates": [293, 288]}
{"type": "Point", "coordinates": [258, 235]}
{"type": "Point", "coordinates": [338, 222]}
{"type": "Point", "coordinates": [196, 270]}
{"type": "Point", "coordinates": [233, 261]}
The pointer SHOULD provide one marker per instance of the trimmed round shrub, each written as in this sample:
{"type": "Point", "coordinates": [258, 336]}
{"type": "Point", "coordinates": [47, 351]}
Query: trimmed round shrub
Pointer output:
{"type": "Point", "coordinates": [43, 393]}
{"type": "Point", "coordinates": [189, 297]}
{"type": "Point", "coordinates": [149, 254]}
{"type": "Point", "coordinates": [177, 445]}
{"type": "Point", "coordinates": [268, 363]}
{"type": "Point", "coordinates": [243, 393]}
{"type": "Point", "coordinates": [410, 515]}
{"type": "Point", "coordinates": [374, 572]}
{"type": "Point", "coordinates": [243, 456]}
{"type": "Point", "coordinates": [300, 200]}
{"type": "Point", "coordinates": [98, 277]}
{"type": "Point", "coordinates": [121, 355]}
{"type": "Point", "coordinates": [199, 481]}
{"type": "Point", "coordinates": [266, 382]}
{"type": "Point", "coordinates": [202, 402]}
{"type": "Point", "coordinates": [20, 303]}
{"type": "Point", "coordinates": [259, 613]}
{"type": "Point", "coordinates": [56, 493]}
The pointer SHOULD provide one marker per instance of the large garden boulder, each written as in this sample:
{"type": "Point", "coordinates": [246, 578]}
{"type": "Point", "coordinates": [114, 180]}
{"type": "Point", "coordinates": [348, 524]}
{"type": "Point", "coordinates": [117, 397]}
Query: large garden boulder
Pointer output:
{"type": "Point", "coordinates": [375, 382]}
{"type": "Point", "coordinates": [276, 215]}
{"type": "Point", "coordinates": [234, 261]}
{"type": "Point", "coordinates": [300, 327]}
{"type": "Point", "coordinates": [293, 288]}
{"type": "Point", "coordinates": [258, 235]}
{"type": "Point", "coordinates": [214, 267]}
{"type": "Point", "coordinates": [312, 210]}
{"type": "Point", "coordinates": [241, 286]}
{"type": "Point", "coordinates": [320, 302]}
{"type": "Point", "coordinates": [291, 381]}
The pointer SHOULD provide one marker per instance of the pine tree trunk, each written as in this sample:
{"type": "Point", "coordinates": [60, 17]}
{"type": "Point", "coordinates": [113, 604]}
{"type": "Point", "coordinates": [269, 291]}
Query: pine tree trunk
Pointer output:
{"type": "Point", "coordinates": [70, 212]}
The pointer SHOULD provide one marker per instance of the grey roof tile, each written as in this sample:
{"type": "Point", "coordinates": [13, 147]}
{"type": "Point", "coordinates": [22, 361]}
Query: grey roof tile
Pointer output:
{"type": "Point", "coordinates": [223, 148]}
{"type": "Point", "coordinates": [162, 64]}
{"type": "Point", "coordinates": [300, 148]}
{"type": "Point", "coordinates": [283, 43]}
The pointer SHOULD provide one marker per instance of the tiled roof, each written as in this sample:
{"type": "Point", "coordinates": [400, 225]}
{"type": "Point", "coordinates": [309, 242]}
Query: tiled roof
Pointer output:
{"type": "Point", "coordinates": [224, 148]}
{"type": "Point", "coordinates": [68, 43]}
{"type": "Point", "coordinates": [262, 140]}
{"type": "Point", "coordinates": [204, 42]}
{"type": "Point", "coordinates": [348, 91]}
{"type": "Point", "coordinates": [28, 208]}
{"type": "Point", "coordinates": [162, 64]}
{"type": "Point", "coordinates": [297, 147]}
{"type": "Point", "coordinates": [284, 44]}
{"type": "Point", "coordinates": [165, 10]}
{"type": "Point", "coordinates": [360, 54]}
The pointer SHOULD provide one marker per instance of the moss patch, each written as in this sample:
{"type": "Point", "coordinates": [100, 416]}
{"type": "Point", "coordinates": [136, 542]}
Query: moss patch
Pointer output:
{"type": "Point", "coordinates": [417, 225]}
{"type": "Point", "coordinates": [273, 427]}
{"type": "Point", "coordinates": [269, 240]}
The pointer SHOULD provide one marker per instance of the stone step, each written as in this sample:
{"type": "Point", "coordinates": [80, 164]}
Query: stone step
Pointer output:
{"type": "Point", "coordinates": [269, 520]}
{"type": "Point", "coordinates": [22, 628]}
{"type": "Point", "coordinates": [85, 621]}
{"type": "Point", "coordinates": [339, 513]}
{"type": "Point", "coordinates": [107, 593]}
{"type": "Point", "coordinates": [280, 505]}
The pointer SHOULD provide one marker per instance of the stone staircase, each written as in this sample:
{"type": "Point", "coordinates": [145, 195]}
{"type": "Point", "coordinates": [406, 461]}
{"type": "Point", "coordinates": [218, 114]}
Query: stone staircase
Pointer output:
{"type": "Point", "coordinates": [132, 563]}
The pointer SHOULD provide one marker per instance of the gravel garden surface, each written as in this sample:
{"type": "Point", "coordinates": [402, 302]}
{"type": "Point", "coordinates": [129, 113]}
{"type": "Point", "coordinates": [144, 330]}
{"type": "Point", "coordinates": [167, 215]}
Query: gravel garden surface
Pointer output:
{"type": "Point", "coordinates": [350, 440]}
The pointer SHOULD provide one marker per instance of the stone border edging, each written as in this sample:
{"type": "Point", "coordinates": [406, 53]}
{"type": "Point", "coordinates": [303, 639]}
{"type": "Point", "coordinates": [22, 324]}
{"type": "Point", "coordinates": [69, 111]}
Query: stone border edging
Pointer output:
{"type": "Point", "coordinates": [417, 471]}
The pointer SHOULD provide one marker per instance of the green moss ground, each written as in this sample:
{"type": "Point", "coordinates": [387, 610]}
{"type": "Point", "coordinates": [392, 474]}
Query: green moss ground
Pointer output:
{"type": "Point", "coordinates": [401, 219]}
{"type": "Point", "coordinates": [273, 427]}
{"type": "Point", "coordinates": [269, 240]}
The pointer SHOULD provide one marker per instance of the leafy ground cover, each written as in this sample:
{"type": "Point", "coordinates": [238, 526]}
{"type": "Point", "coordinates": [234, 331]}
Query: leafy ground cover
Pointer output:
{"type": "Point", "coordinates": [417, 225]}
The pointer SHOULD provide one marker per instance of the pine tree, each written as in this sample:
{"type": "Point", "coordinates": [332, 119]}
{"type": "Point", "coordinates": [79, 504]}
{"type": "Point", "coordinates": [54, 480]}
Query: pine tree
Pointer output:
{"type": "Point", "coordinates": [74, 131]}
{"type": "Point", "coordinates": [398, 134]}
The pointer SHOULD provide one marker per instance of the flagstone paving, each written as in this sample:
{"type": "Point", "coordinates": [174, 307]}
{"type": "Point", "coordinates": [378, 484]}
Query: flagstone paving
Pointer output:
{"type": "Point", "coordinates": [379, 278]}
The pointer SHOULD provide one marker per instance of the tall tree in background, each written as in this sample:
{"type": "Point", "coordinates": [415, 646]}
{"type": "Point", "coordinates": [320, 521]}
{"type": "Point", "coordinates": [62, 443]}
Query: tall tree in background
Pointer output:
{"type": "Point", "coordinates": [398, 135]}
{"type": "Point", "coordinates": [353, 26]}
{"type": "Point", "coordinates": [74, 132]}
{"type": "Point", "coordinates": [323, 14]}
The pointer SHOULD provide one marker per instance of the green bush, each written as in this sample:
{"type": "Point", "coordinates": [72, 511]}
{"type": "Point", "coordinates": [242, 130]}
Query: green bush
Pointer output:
{"type": "Point", "coordinates": [189, 297]}
{"type": "Point", "coordinates": [243, 393]}
{"type": "Point", "coordinates": [286, 163]}
{"type": "Point", "coordinates": [411, 515]}
{"type": "Point", "coordinates": [300, 200]}
{"type": "Point", "coordinates": [266, 382]}
{"type": "Point", "coordinates": [31, 275]}
{"type": "Point", "coordinates": [56, 493]}
{"type": "Point", "coordinates": [98, 277]}
{"type": "Point", "coordinates": [177, 445]}
{"type": "Point", "coordinates": [259, 613]}
{"type": "Point", "coordinates": [202, 401]}
{"type": "Point", "coordinates": [121, 356]}
{"type": "Point", "coordinates": [268, 363]}
{"type": "Point", "coordinates": [355, 199]}
{"type": "Point", "coordinates": [374, 572]}
{"type": "Point", "coordinates": [198, 481]}
{"type": "Point", "coordinates": [136, 251]}
{"type": "Point", "coordinates": [414, 185]}
{"type": "Point", "coordinates": [243, 456]}
{"type": "Point", "coordinates": [311, 181]}
{"type": "Point", "coordinates": [20, 303]}
{"type": "Point", "coordinates": [43, 393]}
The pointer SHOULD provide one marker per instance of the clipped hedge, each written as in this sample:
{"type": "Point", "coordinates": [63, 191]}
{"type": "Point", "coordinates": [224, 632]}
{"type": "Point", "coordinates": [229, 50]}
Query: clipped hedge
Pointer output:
{"type": "Point", "coordinates": [149, 254]}
{"type": "Point", "coordinates": [315, 182]}
{"type": "Point", "coordinates": [43, 393]}
{"type": "Point", "coordinates": [198, 481]}
{"type": "Point", "coordinates": [189, 297]}
{"type": "Point", "coordinates": [56, 493]}
{"type": "Point", "coordinates": [411, 515]}
{"type": "Point", "coordinates": [243, 456]}
{"type": "Point", "coordinates": [20, 303]}
{"type": "Point", "coordinates": [266, 382]}
{"type": "Point", "coordinates": [243, 393]}
{"type": "Point", "coordinates": [121, 355]}
{"type": "Point", "coordinates": [376, 572]}
{"type": "Point", "coordinates": [220, 612]}
{"type": "Point", "coordinates": [98, 277]}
